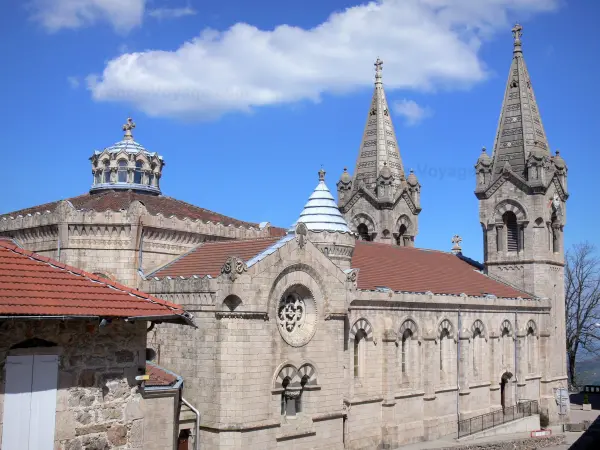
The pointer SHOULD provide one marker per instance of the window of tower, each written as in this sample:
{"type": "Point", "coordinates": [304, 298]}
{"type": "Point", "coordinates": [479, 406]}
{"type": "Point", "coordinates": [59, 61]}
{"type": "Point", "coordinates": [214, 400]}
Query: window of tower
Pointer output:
{"type": "Point", "coordinates": [512, 231]}
{"type": "Point", "coordinates": [554, 231]}
{"type": "Point", "coordinates": [363, 232]}
{"type": "Point", "coordinates": [137, 177]}
{"type": "Point", "coordinates": [106, 171]}
{"type": "Point", "coordinates": [401, 237]}
{"type": "Point", "coordinates": [122, 171]}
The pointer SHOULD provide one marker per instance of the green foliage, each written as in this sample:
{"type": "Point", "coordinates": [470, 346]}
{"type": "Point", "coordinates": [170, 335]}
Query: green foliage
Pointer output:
{"type": "Point", "coordinates": [586, 399]}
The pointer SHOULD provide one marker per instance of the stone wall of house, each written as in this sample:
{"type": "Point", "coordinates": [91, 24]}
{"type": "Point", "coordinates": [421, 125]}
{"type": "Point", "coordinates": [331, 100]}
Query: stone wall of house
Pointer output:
{"type": "Point", "coordinates": [98, 403]}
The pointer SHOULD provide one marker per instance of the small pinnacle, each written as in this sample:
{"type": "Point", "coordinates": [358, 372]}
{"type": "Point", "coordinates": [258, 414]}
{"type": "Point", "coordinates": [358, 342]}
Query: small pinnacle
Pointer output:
{"type": "Point", "coordinates": [483, 149]}
{"type": "Point", "coordinates": [345, 169]}
{"type": "Point", "coordinates": [557, 152]}
{"type": "Point", "coordinates": [321, 174]}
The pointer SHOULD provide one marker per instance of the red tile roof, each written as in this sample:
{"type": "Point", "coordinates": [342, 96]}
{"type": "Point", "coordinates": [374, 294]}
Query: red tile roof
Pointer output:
{"type": "Point", "coordinates": [208, 259]}
{"type": "Point", "coordinates": [417, 270]}
{"type": "Point", "coordinates": [159, 376]}
{"type": "Point", "coordinates": [34, 285]}
{"type": "Point", "coordinates": [120, 200]}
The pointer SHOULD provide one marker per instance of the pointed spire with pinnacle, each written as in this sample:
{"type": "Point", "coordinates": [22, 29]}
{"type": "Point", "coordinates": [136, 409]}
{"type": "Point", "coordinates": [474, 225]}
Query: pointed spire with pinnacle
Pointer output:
{"type": "Point", "coordinates": [321, 212]}
{"type": "Point", "coordinates": [520, 130]}
{"type": "Point", "coordinates": [379, 146]}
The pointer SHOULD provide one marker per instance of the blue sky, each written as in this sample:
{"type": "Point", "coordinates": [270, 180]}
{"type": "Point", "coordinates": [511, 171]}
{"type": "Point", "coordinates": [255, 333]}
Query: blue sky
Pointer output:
{"type": "Point", "coordinates": [245, 103]}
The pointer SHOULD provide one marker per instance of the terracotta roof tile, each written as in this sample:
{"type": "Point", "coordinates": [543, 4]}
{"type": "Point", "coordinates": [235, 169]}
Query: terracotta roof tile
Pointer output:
{"type": "Point", "coordinates": [207, 259]}
{"type": "Point", "coordinates": [417, 270]}
{"type": "Point", "coordinates": [159, 376]}
{"type": "Point", "coordinates": [32, 284]}
{"type": "Point", "coordinates": [120, 200]}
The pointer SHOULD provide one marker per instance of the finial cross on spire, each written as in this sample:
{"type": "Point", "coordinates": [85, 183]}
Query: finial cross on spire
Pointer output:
{"type": "Point", "coordinates": [517, 33]}
{"type": "Point", "coordinates": [130, 125]}
{"type": "Point", "coordinates": [378, 67]}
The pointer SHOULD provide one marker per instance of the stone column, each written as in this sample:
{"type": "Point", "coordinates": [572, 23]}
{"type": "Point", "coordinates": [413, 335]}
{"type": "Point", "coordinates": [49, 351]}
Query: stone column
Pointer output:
{"type": "Point", "coordinates": [464, 369]}
{"type": "Point", "coordinates": [494, 355]}
{"type": "Point", "coordinates": [521, 362]}
{"type": "Point", "coordinates": [389, 429]}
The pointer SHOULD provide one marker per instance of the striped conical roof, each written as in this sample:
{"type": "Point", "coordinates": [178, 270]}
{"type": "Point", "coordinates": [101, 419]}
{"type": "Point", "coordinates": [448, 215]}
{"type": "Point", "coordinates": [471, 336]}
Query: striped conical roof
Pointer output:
{"type": "Point", "coordinates": [321, 211]}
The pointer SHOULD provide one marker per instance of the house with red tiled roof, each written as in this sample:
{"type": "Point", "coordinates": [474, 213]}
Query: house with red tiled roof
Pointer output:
{"type": "Point", "coordinates": [73, 356]}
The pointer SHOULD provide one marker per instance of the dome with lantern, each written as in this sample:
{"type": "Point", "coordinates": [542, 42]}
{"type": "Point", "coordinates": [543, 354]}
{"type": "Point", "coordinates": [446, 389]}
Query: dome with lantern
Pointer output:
{"type": "Point", "coordinates": [127, 165]}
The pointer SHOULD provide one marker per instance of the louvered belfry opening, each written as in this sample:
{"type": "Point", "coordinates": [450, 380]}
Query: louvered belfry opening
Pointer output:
{"type": "Point", "coordinates": [512, 231]}
{"type": "Point", "coordinates": [363, 231]}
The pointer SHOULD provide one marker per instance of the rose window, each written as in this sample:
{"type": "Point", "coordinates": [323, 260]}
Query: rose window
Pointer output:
{"type": "Point", "coordinates": [297, 315]}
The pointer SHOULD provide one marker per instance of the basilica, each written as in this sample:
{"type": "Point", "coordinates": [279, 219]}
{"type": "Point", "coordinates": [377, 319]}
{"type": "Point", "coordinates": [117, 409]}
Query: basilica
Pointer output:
{"type": "Point", "coordinates": [338, 332]}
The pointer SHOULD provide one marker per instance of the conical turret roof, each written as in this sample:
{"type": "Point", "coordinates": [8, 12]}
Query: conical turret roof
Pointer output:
{"type": "Point", "coordinates": [321, 213]}
{"type": "Point", "coordinates": [520, 130]}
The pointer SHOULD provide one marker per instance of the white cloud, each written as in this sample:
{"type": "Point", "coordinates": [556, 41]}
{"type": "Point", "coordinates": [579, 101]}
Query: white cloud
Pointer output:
{"type": "Point", "coordinates": [172, 13]}
{"type": "Point", "coordinates": [425, 44]}
{"type": "Point", "coordinates": [54, 15]}
{"type": "Point", "coordinates": [73, 82]}
{"type": "Point", "coordinates": [412, 112]}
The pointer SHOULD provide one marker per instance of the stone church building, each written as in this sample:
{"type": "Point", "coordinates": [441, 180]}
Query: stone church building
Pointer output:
{"type": "Point", "coordinates": [340, 332]}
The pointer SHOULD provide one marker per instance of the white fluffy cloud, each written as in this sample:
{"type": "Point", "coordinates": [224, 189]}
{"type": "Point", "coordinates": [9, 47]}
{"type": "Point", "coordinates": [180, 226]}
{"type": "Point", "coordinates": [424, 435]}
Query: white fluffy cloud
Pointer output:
{"type": "Point", "coordinates": [172, 13]}
{"type": "Point", "coordinates": [411, 111]}
{"type": "Point", "coordinates": [425, 44]}
{"type": "Point", "coordinates": [54, 15]}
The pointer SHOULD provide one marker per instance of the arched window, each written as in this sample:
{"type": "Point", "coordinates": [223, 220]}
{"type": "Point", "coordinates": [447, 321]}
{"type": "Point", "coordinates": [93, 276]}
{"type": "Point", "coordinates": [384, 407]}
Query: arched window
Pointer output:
{"type": "Point", "coordinates": [406, 337]}
{"type": "Point", "coordinates": [359, 353]}
{"type": "Point", "coordinates": [122, 171]}
{"type": "Point", "coordinates": [363, 232]}
{"type": "Point", "coordinates": [512, 231]}
{"type": "Point", "coordinates": [506, 344]}
{"type": "Point", "coordinates": [106, 171]}
{"type": "Point", "coordinates": [531, 350]}
{"type": "Point", "coordinates": [137, 177]}
{"type": "Point", "coordinates": [477, 354]}
{"type": "Point", "coordinates": [447, 355]}
{"type": "Point", "coordinates": [401, 237]}
{"type": "Point", "coordinates": [555, 234]}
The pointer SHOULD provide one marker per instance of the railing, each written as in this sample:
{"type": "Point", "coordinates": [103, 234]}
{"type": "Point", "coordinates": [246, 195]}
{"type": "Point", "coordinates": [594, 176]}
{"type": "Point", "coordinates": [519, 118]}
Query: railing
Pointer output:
{"type": "Point", "coordinates": [591, 389]}
{"type": "Point", "coordinates": [493, 419]}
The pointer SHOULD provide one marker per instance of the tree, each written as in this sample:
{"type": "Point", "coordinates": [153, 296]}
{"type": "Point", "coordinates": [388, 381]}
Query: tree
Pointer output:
{"type": "Point", "coordinates": [582, 296]}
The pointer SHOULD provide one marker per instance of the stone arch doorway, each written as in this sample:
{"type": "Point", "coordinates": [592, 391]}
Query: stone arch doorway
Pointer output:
{"type": "Point", "coordinates": [505, 390]}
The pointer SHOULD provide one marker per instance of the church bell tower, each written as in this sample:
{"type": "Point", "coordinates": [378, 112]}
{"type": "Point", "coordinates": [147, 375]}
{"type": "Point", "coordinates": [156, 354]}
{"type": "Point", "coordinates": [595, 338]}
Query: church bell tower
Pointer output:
{"type": "Point", "coordinates": [522, 192]}
{"type": "Point", "coordinates": [379, 202]}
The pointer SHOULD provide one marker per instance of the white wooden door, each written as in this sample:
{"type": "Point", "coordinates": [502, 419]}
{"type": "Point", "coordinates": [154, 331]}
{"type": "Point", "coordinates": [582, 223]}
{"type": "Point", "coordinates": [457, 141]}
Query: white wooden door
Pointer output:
{"type": "Point", "coordinates": [30, 402]}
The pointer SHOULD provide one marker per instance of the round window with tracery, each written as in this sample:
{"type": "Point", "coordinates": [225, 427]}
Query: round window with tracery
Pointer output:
{"type": "Point", "coordinates": [297, 315]}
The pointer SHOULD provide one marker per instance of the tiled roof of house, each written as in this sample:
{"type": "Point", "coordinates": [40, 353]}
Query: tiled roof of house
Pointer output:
{"type": "Point", "coordinates": [416, 270]}
{"type": "Point", "coordinates": [34, 285]}
{"type": "Point", "coordinates": [159, 376]}
{"type": "Point", "coordinates": [120, 200]}
{"type": "Point", "coordinates": [208, 258]}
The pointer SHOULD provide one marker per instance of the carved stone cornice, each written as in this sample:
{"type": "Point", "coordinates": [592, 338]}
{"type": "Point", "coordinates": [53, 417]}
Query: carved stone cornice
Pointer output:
{"type": "Point", "coordinates": [249, 315]}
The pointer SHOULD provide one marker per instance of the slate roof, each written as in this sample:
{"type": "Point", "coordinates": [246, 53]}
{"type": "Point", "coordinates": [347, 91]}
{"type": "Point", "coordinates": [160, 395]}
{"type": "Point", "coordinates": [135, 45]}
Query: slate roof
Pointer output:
{"type": "Point", "coordinates": [116, 200]}
{"type": "Point", "coordinates": [208, 258]}
{"type": "Point", "coordinates": [159, 376]}
{"type": "Point", "coordinates": [34, 285]}
{"type": "Point", "coordinates": [409, 269]}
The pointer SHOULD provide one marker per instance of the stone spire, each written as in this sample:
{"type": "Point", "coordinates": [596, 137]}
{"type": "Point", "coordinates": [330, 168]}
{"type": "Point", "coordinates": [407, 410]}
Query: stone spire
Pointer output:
{"type": "Point", "coordinates": [379, 146]}
{"type": "Point", "coordinates": [520, 130]}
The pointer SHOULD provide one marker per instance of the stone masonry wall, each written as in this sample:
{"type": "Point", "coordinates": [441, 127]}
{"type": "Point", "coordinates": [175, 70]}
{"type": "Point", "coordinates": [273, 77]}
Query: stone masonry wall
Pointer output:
{"type": "Point", "coordinates": [98, 404]}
